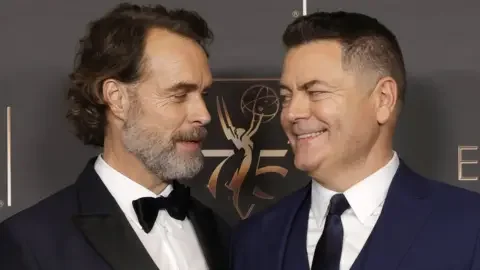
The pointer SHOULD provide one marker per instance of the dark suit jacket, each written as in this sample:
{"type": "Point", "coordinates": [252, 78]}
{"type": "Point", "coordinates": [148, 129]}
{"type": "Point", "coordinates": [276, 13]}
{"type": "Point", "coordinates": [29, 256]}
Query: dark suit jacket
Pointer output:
{"type": "Point", "coordinates": [424, 225]}
{"type": "Point", "coordinates": [82, 227]}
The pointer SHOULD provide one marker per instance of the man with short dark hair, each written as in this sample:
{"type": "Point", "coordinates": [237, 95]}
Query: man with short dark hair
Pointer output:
{"type": "Point", "coordinates": [343, 84]}
{"type": "Point", "coordinates": [137, 91]}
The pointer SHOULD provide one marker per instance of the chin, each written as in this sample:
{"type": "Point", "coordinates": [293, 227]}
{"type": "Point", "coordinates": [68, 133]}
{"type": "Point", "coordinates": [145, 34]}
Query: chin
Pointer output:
{"type": "Point", "coordinates": [305, 165]}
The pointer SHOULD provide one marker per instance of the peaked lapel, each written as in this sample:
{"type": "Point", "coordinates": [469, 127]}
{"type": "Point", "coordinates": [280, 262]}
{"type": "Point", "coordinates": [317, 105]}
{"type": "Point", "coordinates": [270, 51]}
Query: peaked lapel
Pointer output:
{"type": "Point", "coordinates": [105, 227]}
{"type": "Point", "coordinates": [282, 226]}
{"type": "Point", "coordinates": [209, 236]}
{"type": "Point", "coordinates": [406, 209]}
{"type": "Point", "coordinates": [296, 256]}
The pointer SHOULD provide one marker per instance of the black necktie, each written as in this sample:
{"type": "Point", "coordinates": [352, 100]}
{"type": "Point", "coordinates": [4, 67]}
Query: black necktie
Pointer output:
{"type": "Point", "coordinates": [329, 248]}
{"type": "Point", "coordinates": [176, 204]}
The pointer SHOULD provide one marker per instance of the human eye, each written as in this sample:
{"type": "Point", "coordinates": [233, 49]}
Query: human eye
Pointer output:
{"type": "Point", "coordinates": [317, 94]}
{"type": "Point", "coordinates": [180, 96]}
{"type": "Point", "coordinates": [285, 97]}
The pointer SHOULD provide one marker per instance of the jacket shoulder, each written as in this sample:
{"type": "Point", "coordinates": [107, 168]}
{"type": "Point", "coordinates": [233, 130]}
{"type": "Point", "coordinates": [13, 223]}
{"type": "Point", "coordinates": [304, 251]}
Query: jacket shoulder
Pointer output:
{"type": "Point", "coordinates": [456, 202]}
{"type": "Point", "coordinates": [44, 213]}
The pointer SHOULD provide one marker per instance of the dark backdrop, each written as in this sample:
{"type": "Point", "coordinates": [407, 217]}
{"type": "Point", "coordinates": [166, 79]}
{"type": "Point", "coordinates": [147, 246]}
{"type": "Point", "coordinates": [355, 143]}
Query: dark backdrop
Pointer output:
{"type": "Point", "coordinates": [38, 40]}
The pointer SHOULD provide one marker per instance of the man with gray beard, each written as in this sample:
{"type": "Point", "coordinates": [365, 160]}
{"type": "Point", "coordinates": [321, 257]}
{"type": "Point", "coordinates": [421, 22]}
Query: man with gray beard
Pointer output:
{"type": "Point", "coordinates": [137, 91]}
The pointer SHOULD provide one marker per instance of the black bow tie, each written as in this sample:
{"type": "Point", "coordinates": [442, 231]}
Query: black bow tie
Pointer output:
{"type": "Point", "coordinates": [176, 204]}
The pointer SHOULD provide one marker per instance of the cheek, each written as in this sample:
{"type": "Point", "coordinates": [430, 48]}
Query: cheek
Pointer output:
{"type": "Point", "coordinates": [328, 112]}
{"type": "Point", "coordinates": [367, 121]}
{"type": "Point", "coordinates": [361, 126]}
{"type": "Point", "coordinates": [284, 122]}
{"type": "Point", "coordinates": [286, 125]}
{"type": "Point", "coordinates": [167, 115]}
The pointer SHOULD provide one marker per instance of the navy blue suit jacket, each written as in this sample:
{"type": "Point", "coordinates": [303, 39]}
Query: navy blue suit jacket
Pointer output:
{"type": "Point", "coordinates": [424, 225]}
{"type": "Point", "coordinates": [83, 228]}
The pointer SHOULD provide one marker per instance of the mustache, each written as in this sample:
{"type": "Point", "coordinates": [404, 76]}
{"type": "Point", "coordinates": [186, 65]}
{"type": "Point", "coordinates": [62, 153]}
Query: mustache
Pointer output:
{"type": "Point", "coordinates": [195, 134]}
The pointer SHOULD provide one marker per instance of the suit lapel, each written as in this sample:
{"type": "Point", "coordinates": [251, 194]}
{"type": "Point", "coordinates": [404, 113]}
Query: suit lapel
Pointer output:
{"type": "Point", "coordinates": [208, 235]}
{"type": "Point", "coordinates": [296, 256]}
{"type": "Point", "coordinates": [105, 227]}
{"type": "Point", "coordinates": [115, 241]}
{"type": "Point", "coordinates": [285, 245]}
{"type": "Point", "coordinates": [406, 209]}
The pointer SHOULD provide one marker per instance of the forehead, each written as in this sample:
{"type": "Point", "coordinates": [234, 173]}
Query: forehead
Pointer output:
{"type": "Point", "coordinates": [171, 58]}
{"type": "Point", "coordinates": [319, 60]}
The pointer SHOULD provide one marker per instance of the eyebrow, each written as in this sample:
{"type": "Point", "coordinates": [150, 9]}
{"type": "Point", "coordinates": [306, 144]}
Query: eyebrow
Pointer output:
{"type": "Point", "coordinates": [307, 85]}
{"type": "Point", "coordinates": [188, 86]}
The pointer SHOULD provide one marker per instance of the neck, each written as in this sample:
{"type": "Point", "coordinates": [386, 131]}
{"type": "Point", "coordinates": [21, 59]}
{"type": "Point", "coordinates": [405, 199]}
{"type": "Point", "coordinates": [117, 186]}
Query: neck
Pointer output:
{"type": "Point", "coordinates": [115, 154]}
{"type": "Point", "coordinates": [345, 176]}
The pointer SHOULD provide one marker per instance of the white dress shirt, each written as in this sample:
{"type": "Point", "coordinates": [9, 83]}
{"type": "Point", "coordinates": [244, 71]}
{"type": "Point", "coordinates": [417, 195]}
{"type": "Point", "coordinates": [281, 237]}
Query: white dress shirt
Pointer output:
{"type": "Point", "coordinates": [366, 199]}
{"type": "Point", "coordinates": [171, 243]}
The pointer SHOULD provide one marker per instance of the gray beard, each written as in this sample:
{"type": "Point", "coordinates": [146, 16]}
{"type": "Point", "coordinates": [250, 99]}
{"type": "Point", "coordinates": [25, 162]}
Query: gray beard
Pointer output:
{"type": "Point", "coordinates": [158, 153]}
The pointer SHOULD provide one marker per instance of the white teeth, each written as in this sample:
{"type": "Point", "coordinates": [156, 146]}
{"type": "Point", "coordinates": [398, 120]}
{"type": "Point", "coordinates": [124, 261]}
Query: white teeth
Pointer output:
{"type": "Point", "coordinates": [310, 135]}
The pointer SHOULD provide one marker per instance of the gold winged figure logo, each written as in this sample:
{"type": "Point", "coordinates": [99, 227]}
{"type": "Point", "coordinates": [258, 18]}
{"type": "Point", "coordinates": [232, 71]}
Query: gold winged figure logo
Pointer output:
{"type": "Point", "coordinates": [242, 139]}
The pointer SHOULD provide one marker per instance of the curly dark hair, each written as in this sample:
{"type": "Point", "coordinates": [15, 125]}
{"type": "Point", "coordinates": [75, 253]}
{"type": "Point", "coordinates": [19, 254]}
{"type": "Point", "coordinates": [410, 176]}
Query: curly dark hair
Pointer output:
{"type": "Point", "coordinates": [113, 48]}
{"type": "Point", "coordinates": [365, 42]}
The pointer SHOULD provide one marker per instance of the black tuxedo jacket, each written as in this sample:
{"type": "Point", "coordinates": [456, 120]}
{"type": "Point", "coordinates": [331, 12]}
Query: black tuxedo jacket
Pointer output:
{"type": "Point", "coordinates": [82, 227]}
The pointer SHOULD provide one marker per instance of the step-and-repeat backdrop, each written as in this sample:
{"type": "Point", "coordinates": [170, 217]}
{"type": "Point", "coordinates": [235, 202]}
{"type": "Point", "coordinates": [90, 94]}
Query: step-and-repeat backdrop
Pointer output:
{"type": "Point", "coordinates": [438, 133]}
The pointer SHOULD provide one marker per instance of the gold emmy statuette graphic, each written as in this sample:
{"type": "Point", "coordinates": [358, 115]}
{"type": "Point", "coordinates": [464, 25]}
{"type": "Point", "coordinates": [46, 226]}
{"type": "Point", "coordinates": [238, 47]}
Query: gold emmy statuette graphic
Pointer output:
{"type": "Point", "coordinates": [263, 107]}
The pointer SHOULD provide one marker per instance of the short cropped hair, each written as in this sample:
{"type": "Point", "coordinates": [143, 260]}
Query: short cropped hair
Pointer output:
{"type": "Point", "coordinates": [366, 43]}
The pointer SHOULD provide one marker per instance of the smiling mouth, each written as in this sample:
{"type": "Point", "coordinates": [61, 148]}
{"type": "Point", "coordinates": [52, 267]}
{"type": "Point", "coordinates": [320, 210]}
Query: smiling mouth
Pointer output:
{"type": "Point", "coordinates": [310, 135]}
{"type": "Point", "coordinates": [191, 141]}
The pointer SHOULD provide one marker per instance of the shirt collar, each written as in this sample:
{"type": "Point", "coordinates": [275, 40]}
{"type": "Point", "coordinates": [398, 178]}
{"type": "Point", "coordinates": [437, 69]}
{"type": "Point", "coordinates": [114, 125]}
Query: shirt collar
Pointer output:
{"type": "Point", "coordinates": [123, 189]}
{"type": "Point", "coordinates": [364, 197]}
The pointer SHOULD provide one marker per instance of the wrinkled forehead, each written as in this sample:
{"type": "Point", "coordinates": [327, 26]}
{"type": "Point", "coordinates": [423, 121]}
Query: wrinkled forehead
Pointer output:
{"type": "Point", "coordinates": [320, 60]}
{"type": "Point", "coordinates": [171, 58]}
{"type": "Point", "coordinates": [324, 61]}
